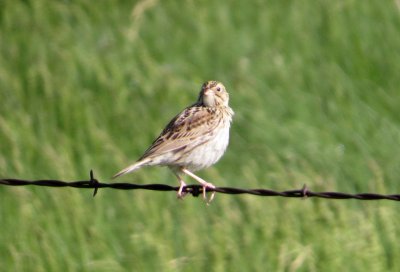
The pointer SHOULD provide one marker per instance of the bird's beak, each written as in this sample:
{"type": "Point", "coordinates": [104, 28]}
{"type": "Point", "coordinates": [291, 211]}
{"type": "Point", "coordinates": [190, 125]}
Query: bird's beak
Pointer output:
{"type": "Point", "coordinates": [208, 98]}
{"type": "Point", "coordinates": [207, 92]}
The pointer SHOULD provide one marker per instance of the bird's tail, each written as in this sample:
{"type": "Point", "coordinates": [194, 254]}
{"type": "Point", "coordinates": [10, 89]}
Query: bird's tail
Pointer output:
{"type": "Point", "coordinates": [131, 168]}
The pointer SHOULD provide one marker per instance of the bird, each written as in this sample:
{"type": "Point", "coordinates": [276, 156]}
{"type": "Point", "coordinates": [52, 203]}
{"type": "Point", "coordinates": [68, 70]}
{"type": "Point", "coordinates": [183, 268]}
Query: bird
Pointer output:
{"type": "Point", "coordinates": [194, 139]}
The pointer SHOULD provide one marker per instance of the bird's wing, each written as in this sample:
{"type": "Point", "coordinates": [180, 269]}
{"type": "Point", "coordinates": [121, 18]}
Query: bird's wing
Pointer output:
{"type": "Point", "coordinates": [191, 127]}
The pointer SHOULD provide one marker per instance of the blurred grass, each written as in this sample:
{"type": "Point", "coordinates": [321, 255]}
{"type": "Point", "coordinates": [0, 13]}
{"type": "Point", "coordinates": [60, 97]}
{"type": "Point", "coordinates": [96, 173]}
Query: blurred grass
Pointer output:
{"type": "Point", "coordinates": [88, 86]}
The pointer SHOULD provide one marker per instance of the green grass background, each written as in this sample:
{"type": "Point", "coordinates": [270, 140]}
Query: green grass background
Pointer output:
{"type": "Point", "coordinates": [88, 85]}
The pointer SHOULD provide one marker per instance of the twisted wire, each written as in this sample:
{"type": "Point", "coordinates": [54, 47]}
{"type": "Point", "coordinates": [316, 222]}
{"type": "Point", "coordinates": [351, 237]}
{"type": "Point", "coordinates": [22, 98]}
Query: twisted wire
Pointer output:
{"type": "Point", "coordinates": [196, 190]}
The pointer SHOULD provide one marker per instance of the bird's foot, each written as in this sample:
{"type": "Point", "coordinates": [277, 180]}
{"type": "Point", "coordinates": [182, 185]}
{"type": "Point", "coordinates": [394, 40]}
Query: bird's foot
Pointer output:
{"type": "Point", "coordinates": [181, 194]}
{"type": "Point", "coordinates": [205, 186]}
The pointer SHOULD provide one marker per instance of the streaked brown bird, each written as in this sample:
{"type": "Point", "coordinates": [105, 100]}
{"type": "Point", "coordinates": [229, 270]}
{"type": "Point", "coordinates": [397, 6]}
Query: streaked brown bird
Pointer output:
{"type": "Point", "coordinates": [194, 139]}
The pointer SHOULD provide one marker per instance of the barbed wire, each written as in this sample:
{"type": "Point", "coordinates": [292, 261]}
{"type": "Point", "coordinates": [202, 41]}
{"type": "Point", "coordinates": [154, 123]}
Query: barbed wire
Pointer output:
{"type": "Point", "coordinates": [196, 190]}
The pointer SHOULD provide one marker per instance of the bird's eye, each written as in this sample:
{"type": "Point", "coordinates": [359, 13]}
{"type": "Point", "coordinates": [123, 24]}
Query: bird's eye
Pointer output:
{"type": "Point", "coordinates": [218, 89]}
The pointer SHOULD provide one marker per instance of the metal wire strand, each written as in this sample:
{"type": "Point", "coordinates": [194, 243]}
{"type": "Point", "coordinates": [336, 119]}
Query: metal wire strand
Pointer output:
{"type": "Point", "coordinates": [196, 190]}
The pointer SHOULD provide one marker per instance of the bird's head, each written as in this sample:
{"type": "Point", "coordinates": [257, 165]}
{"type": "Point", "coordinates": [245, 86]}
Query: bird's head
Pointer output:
{"type": "Point", "coordinates": [213, 94]}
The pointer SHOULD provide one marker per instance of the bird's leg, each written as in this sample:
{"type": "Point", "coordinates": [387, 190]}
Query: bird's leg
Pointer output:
{"type": "Point", "coordinates": [203, 182]}
{"type": "Point", "coordinates": [180, 193]}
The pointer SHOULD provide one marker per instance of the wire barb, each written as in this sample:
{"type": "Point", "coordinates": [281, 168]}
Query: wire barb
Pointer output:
{"type": "Point", "coordinates": [196, 190]}
{"type": "Point", "coordinates": [94, 182]}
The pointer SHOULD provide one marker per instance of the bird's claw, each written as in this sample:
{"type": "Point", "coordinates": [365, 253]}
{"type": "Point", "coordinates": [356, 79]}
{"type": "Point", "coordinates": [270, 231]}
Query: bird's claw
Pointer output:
{"type": "Point", "coordinates": [208, 185]}
{"type": "Point", "coordinates": [181, 192]}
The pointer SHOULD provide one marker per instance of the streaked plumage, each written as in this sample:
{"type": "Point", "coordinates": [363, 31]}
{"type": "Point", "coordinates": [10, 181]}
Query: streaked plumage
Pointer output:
{"type": "Point", "coordinates": [194, 139]}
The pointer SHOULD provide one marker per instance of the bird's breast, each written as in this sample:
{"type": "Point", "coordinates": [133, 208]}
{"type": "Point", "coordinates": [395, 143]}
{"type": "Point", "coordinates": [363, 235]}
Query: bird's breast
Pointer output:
{"type": "Point", "coordinates": [207, 153]}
